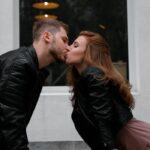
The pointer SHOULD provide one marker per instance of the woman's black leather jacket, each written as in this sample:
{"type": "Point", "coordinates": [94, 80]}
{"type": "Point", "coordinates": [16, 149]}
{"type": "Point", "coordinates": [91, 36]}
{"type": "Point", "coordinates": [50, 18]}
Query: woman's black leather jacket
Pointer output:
{"type": "Point", "coordinates": [103, 105]}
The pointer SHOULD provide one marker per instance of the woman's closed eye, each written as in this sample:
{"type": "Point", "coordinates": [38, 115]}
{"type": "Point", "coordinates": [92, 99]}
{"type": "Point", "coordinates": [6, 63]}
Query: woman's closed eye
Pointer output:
{"type": "Point", "coordinates": [75, 44]}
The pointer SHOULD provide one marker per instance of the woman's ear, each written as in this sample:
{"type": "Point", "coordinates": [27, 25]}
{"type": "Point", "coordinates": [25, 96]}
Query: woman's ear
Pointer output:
{"type": "Point", "coordinates": [47, 36]}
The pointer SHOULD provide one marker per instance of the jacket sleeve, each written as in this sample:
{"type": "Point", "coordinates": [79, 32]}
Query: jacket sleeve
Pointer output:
{"type": "Point", "coordinates": [100, 106]}
{"type": "Point", "coordinates": [13, 115]}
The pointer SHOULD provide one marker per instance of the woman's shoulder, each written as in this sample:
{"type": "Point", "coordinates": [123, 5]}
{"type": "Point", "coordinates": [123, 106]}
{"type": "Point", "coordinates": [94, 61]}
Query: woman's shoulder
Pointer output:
{"type": "Point", "coordinates": [92, 71]}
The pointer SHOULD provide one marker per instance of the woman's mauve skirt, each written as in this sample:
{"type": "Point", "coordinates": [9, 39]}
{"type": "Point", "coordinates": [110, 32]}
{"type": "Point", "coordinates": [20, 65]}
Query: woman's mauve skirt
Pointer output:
{"type": "Point", "coordinates": [135, 135]}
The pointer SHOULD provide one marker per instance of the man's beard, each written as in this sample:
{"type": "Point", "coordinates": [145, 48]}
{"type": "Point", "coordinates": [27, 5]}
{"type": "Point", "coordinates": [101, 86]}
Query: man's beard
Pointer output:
{"type": "Point", "coordinates": [53, 52]}
{"type": "Point", "coordinates": [55, 56]}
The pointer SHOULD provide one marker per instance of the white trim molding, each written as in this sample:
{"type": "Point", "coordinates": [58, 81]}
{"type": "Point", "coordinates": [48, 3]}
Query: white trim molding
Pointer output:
{"type": "Point", "coordinates": [16, 24]}
{"type": "Point", "coordinates": [133, 51]}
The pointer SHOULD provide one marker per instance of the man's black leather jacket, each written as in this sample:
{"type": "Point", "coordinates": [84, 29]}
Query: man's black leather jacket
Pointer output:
{"type": "Point", "coordinates": [20, 86]}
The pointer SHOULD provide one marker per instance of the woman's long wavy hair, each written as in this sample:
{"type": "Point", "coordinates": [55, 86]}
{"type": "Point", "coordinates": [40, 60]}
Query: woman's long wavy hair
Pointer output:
{"type": "Point", "coordinates": [97, 54]}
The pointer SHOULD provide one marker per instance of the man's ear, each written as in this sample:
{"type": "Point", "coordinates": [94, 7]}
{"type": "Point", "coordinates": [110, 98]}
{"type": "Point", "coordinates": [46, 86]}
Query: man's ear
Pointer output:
{"type": "Point", "coordinates": [47, 36]}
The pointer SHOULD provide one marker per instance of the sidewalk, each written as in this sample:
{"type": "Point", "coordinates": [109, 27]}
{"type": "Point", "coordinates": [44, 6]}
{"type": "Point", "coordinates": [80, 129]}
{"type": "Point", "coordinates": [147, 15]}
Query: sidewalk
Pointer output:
{"type": "Point", "coordinates": [65, 145]}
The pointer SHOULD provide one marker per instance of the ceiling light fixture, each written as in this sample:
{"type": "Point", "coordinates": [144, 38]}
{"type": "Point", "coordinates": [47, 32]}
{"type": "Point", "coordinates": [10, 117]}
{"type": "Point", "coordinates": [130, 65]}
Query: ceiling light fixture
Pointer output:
{"type": "Point", "coordinates": [45, 16]}
{"type": "Point", "coordinates": [45, 5]}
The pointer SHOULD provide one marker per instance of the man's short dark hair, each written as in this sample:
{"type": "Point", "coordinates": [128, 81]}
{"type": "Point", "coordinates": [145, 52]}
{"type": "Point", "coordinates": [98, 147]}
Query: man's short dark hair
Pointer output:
{"type": "Point", "coordinates": [50, 25]}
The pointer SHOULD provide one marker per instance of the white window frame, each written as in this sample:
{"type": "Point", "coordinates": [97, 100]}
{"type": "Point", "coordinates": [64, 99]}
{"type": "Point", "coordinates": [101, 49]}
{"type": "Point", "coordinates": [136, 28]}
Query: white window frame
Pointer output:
{"type": "Point", "coordinates": [133, 52]}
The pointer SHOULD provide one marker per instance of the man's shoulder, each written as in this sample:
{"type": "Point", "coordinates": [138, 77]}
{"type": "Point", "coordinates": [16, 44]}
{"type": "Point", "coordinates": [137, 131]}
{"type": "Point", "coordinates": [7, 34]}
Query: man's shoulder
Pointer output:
{"type": "Point", "coordinates": [18, 56]}
{"type": "Point", "coordinates": [23, 54]}
{"type": "Point", "coordinates": [26, 57]}
{"type": "Point", "coordinates": [13, 53]}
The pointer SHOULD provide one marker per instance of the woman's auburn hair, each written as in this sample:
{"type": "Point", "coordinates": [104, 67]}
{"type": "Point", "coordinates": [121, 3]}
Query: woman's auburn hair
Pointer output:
{"type": "Point", "coordinates": [97, 54]}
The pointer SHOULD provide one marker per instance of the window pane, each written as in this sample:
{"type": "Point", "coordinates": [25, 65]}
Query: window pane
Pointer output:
{"type": "Point", "coordinates": [107, 17]}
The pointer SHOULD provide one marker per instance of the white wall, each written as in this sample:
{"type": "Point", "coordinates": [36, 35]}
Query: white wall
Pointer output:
{"type": "Point", "coordinates": [51, 120]}
{"type": "Point", "coordinates": [9, 27]}
{"type": "Point", "coordinates": [139, 30]}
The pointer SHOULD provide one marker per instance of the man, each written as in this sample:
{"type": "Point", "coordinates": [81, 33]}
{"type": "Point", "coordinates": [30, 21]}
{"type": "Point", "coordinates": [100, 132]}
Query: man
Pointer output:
{"type": "Point", "coordinates": [22, 74]}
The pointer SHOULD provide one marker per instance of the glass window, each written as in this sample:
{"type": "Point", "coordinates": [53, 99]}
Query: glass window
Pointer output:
{"type": "Point", "coordinates": [107, 17]}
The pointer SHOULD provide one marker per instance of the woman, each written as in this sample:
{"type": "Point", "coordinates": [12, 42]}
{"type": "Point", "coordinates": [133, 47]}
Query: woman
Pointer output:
{"type": "Point", "coordinates": [102, 100]}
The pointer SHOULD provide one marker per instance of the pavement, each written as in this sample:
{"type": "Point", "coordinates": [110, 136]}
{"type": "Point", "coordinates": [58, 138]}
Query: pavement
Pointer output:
{"type": "Point", "coordinates": [64, 145]}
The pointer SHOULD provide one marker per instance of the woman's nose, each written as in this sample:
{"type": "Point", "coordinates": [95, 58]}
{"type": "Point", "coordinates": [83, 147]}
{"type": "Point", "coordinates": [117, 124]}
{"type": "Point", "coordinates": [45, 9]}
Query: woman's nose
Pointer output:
{"type": "Point", "coordinates": [68, 48]}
